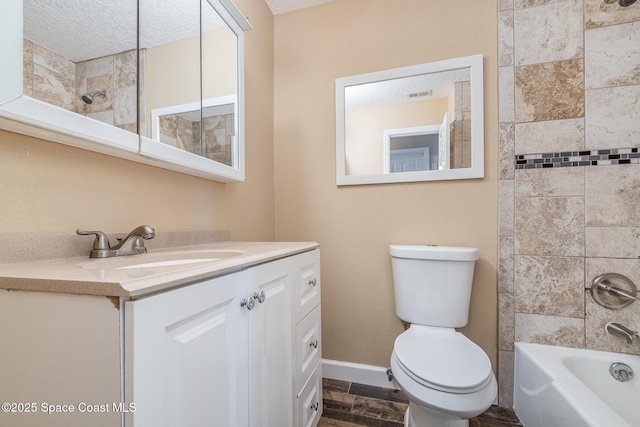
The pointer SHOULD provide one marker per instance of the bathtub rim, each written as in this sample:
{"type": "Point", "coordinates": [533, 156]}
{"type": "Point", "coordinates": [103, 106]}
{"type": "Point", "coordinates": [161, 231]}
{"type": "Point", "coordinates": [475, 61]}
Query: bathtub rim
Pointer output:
{"type": "Point", "coordinates": [548, 359]}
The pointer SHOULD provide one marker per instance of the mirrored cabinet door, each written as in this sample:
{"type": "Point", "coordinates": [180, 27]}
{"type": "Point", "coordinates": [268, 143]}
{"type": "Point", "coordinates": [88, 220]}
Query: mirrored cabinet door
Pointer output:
{"type": "Point", "coordinates": [205, 132]}
{"type": "Point", "coordinates": [70, 68]}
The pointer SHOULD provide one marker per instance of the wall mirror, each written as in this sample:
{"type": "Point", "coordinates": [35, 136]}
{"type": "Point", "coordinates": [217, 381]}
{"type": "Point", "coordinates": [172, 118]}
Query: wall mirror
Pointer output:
{"type": "Point", "coordinates": [418, 123]}
{"type": "Point", "coordinates": [89, 74]}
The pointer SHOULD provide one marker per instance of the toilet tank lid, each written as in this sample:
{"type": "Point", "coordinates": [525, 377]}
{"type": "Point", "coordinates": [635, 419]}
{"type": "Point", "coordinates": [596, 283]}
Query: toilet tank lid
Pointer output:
{"type": "Point", "coordinates": [434, 252]}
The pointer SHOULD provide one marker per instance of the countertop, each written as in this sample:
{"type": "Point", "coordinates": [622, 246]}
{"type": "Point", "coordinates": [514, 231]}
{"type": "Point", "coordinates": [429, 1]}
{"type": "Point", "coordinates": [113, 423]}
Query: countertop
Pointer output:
{"type": "Point", "coordinates": [106, 276]}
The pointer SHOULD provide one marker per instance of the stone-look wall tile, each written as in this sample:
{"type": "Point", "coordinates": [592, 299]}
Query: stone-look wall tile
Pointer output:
{"type": "Point", "coordinates": [550, 182]}
{"type": "Point", "coordinates": [549, 285]}
{"type": "Point", "coordinates": [53, 78]}
{"type": "Point", "coordinates": [505, 4]}
{"type": "Point", "coordinates": [612, 117]}
{"type": "Point", "coordinates": [506, 132]}
{"type": "Point", "coordinates": [124, 105]}
{"type": "Point", "coordinates": [98, 67]}
{"type": "Point", "coordinates": [505, 263]}
{"type": "Point", "coordinates": [596, 336]}
{"type": "Point", "coordinates": [506, 331]}
{"type": "Point", "coordinates": [549, 226]}
{"type": "Point", "coordinates": [550, 330]}
{"type": "Point", "coordinates": [549, 136]}
{"type": "Point", "coordinates": [599, 14]}
{"type": "Point", "coordinates": [103, 116]}
{"type": "Point", "coordinates": [505, 38]}
{"type": "Point", "coordinates": [506, 94]}
{"type": "Point", "coordinates": [100, 103]}
{"type": "Point", "coordinates": [613, 195]}
{"type": "Point", "coordinates": [53, 62]}
{"type": "Point", "coordinates": [27, 67]}
{"type": "Point", "coordinates": [522, 4]}
{"type": "Point", "coordinates": [125, 69]}
{"type": "Point", "coordinates": [598, 266]}
{"type": "Point", "coordinates": [608, 59]}
{"type": "Point", "coordinates": [96, 75]}
{"type": "Point", "coordinates": [507, 207]}
{"type": "Point", "coordinates": [505, 378]}
{"type": "Point", "coordinates": [612, 242]}
{"type": "Point", "coordinates": [552, 32]}
{"type": "Point", "coordinates": [142, 98]}
{"type": "Point", "coordinates": [549, 91]}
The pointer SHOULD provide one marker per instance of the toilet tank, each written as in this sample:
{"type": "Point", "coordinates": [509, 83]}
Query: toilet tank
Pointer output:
{"type": "Point", "coordinates": [432, 284]}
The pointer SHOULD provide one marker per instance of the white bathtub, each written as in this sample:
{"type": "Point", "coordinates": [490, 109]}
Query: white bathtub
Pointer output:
{"type": "Point", "coordinates": [567, 387]}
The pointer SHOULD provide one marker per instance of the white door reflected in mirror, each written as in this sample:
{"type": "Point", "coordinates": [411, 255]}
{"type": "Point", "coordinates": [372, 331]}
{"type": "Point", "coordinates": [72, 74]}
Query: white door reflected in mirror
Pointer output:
{"type": "Point", "coordinates": [429, 116]}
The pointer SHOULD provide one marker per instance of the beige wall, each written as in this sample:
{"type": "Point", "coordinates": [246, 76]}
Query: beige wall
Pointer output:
{"type": "Point", "coordinates": [365, 126]}
{"type": "Point", "coordinates": [355, 224]}
{"type": "Point", "coordinates": [568, 83]}
{"type": "Point", "coordinates": [51, 188]}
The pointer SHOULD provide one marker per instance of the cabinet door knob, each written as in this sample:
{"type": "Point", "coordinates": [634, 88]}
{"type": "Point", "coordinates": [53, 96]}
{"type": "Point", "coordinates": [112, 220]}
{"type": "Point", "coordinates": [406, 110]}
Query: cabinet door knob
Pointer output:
{"type": "Point", "coordinates": [314, 344]}
{"type": "Point", "coordinates": [249, 303]}
{"type": "Point", "coordinates": [260, 296]}
{"type": "Point", "coordinates": [315, 406]}
{"type": "Point", "coordinates": [312, 282]}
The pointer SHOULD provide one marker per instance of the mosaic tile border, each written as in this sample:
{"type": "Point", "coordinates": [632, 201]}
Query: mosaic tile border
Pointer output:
{"type": "Point", "coordinates": [613, 156]}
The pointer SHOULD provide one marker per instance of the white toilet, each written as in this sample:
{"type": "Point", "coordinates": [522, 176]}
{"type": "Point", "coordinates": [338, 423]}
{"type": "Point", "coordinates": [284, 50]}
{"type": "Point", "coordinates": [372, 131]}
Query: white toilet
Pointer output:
{"type": "Point", "coordinates": [447, 378]}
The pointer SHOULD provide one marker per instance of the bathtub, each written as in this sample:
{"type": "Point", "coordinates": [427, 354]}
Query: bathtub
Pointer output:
{"type": "Point", "coordinates": [567, 387]}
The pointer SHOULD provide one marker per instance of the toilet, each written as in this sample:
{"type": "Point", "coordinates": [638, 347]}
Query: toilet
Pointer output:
{"type": "Point", "coordinates": [447, 378]}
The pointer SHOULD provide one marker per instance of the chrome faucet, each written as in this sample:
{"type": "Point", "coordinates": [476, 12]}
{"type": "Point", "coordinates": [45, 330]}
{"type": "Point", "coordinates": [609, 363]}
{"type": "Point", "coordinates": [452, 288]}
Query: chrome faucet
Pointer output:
{"type": "Point", "coordinates": [132, 244]}
{"type": "Point", "coordinates": [621, 331]}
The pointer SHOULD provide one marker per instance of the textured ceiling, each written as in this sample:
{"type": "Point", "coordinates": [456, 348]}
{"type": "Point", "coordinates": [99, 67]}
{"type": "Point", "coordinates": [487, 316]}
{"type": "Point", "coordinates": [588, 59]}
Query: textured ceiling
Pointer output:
{"type": "Point", "coordinates": [80, 29]}
{"type": "Point", "coordinates": [397, 91]}
{"type": "Point", "coordinates": [283, 6]}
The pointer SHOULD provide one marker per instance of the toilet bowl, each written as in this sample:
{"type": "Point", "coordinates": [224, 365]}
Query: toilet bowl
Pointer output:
{"type": "Point", "coordinates": [447, 377]}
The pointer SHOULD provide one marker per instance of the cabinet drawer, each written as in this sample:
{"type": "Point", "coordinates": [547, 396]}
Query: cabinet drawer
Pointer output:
{"type": "Point", "coordinates": [310, 400]}
{"type": "Point", "coordinates": [308, 287]}
{"type": "Point", "coordinates": [308, 347]}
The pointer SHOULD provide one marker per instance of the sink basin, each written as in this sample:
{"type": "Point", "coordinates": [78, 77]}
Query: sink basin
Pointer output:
{"type": "Point", "coordinates": [167, 263]}
{"type": "Point", "coordinates": [161, 259]}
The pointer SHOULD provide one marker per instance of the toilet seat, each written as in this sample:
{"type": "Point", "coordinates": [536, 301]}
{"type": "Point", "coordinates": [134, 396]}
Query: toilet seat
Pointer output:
{"type": "Point", "coordinates": [442, 359]}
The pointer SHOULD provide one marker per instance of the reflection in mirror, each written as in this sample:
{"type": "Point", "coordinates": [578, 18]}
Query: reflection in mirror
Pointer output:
{"type": "Point", "coordinates": [180, 126]}
{"type": "Point", "coordinates": [169, 59]}
{"type": "Point", "coordinates": [220, 90]}
{"type": "Point", "coordinates": [200, 61]}
{"type": "Point", "coordinates": [417, 123]}
{"type": "Point", "coordinates": [81, 56]}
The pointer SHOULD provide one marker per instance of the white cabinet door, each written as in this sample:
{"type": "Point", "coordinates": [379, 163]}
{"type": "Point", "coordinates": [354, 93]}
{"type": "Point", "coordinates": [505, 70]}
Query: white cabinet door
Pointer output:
{"type": "Point", "coordinates": [270, 344]}
{"type": "Point", "coordinates": [186, 356]}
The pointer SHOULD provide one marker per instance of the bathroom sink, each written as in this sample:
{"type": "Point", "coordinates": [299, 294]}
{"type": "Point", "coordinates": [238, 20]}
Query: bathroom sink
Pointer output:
{"type": "Point", "coordinates": [167, 263]}
{"type": "Point", "coordinates": [161, 259]}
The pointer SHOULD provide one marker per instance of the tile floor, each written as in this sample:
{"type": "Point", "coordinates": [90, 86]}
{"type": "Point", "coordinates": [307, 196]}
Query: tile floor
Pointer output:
{"type": "Point", "coordinates": [353, 405]}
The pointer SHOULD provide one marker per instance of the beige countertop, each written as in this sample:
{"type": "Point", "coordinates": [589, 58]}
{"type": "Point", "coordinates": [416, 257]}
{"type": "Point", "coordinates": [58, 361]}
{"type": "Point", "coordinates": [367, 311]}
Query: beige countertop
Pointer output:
{"type": "Point", "coordinates": [138, 275]}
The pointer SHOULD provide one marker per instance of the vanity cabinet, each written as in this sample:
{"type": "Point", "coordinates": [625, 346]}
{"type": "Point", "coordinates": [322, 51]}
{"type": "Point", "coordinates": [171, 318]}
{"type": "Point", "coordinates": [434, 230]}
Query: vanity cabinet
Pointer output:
{"type": "Point", "coordinates": [228, 351]}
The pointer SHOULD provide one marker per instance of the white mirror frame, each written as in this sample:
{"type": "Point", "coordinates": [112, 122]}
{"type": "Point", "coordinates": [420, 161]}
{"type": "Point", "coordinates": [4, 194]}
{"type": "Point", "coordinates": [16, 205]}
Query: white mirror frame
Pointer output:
{"type": "Point", "coordinates": [474, 63]}
{"type": "Point", "coordinates": [25, 115]}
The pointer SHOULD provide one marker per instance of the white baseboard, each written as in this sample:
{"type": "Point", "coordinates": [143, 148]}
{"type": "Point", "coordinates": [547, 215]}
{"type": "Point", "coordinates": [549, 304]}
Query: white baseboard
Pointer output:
{"type": "Point", "coordinates": [356, 373]}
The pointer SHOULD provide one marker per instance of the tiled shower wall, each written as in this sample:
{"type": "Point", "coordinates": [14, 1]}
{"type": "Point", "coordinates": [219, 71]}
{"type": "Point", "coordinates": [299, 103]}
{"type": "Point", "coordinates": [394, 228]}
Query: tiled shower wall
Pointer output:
{"type": "Point", "coordinates": [461, 126]}
{"type": "Point", "coordinates": [569, 91]}
{"type": "Point", "coordinates": [56, 80]}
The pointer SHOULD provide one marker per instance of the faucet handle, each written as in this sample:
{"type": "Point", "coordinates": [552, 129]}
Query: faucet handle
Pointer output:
{"type": "Point", "coordinates": [101, 241]}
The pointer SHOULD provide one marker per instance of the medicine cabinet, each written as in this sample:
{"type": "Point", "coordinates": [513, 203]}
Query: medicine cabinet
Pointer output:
{"type": "Point", "coordinates": [91, 74]}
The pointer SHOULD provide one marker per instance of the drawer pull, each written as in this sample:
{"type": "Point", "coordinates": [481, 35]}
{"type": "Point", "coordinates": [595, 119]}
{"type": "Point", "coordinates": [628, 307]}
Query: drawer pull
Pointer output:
{"type": "Point", "coordinates": [260, 296]}
{"type": "Point", "coordinates": [315, 406]}
{"type": "Point", "coordinates": [314, 344]}
{"type": "Point", "coordinates": [312, 282]}
{"type": "Point", "coordinates": [249, 303]}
